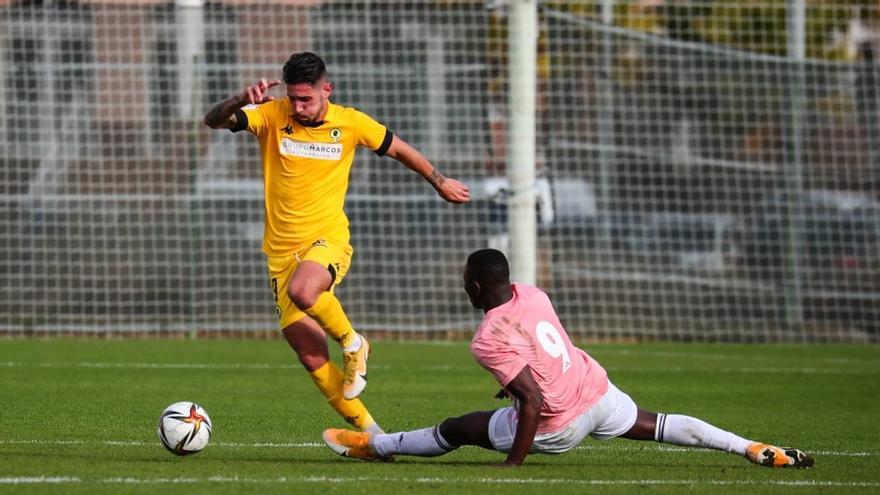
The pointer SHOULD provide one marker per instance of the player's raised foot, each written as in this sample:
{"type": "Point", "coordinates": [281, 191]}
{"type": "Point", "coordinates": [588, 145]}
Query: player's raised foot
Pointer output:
{"type": "Point", "coordinates": [354, 366]}
{"type": "Point", "coordinates": [348, 443]}
{"type": "Point", "coordinates": [772, 456]}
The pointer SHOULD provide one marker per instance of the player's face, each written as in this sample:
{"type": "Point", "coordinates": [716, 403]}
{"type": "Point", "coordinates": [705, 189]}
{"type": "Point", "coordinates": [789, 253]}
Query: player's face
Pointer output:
{"type": "Point", "coordinates": [308, 102]}
{"type": "Point", "coordinates": [472, 288]}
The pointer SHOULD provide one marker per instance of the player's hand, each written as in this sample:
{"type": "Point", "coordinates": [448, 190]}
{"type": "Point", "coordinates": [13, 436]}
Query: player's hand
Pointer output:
{"type": "Point", "coordinates": [258, 93]}
{"type": "Point", "coordinates": [454, 191]}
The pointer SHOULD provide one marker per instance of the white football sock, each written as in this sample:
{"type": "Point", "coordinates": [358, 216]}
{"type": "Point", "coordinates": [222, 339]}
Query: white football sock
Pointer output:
{"type": "Point", "coordinates": [375, 429]}
{"type": "Point", "coordinates": [692, 432]}
{"type": "Point", "coordinates": [427, 442]}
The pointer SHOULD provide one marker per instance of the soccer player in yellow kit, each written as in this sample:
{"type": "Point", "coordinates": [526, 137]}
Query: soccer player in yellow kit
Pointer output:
{"type": "Point", "coordinates": [307, 145]}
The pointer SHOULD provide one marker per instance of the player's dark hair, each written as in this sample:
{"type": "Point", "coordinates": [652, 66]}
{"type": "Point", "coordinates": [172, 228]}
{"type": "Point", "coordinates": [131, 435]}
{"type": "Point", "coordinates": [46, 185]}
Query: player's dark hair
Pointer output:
{"type": "Point", "coordinates": [303, 67]}
{"type": "Point", "coordinates": [489, 267]}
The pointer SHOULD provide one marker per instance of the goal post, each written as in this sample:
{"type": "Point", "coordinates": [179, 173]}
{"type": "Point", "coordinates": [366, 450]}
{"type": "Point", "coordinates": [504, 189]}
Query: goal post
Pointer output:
{"type": "Point", "coordinates": [521, 161]}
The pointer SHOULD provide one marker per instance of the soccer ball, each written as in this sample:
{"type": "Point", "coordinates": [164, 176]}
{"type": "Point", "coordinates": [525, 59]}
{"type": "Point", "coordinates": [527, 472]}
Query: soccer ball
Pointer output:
{"type": "Point", "coordinates": [184, 428]}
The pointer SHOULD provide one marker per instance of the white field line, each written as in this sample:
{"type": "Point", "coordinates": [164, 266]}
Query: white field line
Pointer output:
{"type": "Point", "coordinates": [311, 445]}
{"type": "Point", "coordinates": [434, 480]}
{"type": "Point", "coordinates": [719, 356]}
{"type": "Point", "coordinates": [99, 365]}
{"type": "Point", "coordinates": [38, 480]}
{"type": "Point", "coordinates": [251, 366]}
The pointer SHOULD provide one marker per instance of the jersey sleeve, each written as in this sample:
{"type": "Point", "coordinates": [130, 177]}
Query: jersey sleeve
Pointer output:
{"type": "Point", "coordinates": [372, 134]}
{"type": "Point", "coordinates": [253, 118]}
{"type": "Point", "coordinates": [498, 358]}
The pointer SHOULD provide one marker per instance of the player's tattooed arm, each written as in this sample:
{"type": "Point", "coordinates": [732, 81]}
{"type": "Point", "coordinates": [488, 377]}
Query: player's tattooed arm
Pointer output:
{"type": "Point", "coordinates": [449, 189]}
{"type": "Point", "coordinates": [436, 179]}
{"type": "Point", "coordinates": [222, 115]}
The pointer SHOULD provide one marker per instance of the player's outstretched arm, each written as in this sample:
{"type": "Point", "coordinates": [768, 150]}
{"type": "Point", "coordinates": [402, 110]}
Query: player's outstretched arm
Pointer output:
{"type": "Point", "coordinates": [449, 189]}
{"type": "Point", "coordinates": [529, 401]}
{"type": "Point", "coordinates": [222, 114]}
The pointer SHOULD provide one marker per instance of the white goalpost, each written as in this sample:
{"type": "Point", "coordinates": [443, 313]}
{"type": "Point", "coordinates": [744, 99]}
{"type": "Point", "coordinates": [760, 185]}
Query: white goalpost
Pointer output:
{"type": "Point", "coordinates": [523, 42]}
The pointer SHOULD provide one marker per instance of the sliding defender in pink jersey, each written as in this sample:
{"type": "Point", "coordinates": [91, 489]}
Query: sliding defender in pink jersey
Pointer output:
{"type": "Point", "coordinates": [560, 394]}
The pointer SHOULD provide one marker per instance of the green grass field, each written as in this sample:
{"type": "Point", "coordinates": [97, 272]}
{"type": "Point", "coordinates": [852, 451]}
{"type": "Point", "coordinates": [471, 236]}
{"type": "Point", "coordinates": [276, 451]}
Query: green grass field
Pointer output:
{"type": "Point", "coordinates": [79, 416]}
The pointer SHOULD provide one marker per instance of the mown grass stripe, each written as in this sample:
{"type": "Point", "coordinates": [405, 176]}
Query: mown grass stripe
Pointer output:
{"type": "Point", "coordinates": [257, 366]}
{"type": "Point", "coordinates": [309, 445]}
{"type": "Point", "coordinates": [432, 480]}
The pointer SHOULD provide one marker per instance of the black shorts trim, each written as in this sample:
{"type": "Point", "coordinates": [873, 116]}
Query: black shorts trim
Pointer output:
{"type": "Point", "coordinates": [332, 273]}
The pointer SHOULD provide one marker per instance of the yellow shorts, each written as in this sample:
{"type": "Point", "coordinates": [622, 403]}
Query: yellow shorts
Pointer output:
{"type": "Point", "coordinates": [336, 256]}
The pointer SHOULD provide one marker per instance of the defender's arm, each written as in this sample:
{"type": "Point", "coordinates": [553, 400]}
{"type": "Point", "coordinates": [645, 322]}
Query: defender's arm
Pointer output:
{"type": "Point", "coordinates": [529, 401]}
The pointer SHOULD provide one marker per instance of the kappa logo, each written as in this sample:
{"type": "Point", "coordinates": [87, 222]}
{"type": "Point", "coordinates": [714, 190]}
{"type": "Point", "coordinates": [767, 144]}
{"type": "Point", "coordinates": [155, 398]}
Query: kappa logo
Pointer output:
{"type": "Point", "coordinates": [287, 129]}
{"type": "Point", "coordinates": [319, 242]}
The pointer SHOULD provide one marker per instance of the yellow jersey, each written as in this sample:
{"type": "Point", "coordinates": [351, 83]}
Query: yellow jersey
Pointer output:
{"type": "Point", "coordinates": [306, 170]}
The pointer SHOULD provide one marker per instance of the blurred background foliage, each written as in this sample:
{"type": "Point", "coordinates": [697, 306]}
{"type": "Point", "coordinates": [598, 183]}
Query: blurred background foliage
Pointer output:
{"type": "Point", "coordinates": [756, 26]}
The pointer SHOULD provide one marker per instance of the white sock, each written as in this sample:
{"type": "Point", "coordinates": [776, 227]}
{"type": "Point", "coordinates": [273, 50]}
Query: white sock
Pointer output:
{"type": "Point", "coordinates": [692, 432]}
{"type": "Point", "coordinates": [375, 429]}
{"type": "Point", "coordinates": [427, 442]}
{"type": "Point", "coordinates": [355, 344]}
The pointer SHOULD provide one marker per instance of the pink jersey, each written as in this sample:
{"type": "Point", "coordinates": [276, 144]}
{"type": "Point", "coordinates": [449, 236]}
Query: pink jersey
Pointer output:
{"type": "Point", "coordinates": [525, 331]}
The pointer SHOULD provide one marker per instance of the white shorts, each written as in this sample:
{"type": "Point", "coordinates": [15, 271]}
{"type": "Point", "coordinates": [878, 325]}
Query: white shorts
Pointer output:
{"type": "Point", "coordinates": [612, 416]}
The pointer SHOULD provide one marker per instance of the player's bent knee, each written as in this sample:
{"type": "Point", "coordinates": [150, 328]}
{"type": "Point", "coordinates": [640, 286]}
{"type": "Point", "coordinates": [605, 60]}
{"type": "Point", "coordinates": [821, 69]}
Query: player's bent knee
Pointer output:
{"type": "Point", "coordinates": [302, 297]}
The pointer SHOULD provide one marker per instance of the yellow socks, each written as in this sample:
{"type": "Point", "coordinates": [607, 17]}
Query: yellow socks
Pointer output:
{"type": "Point", "coordinates": [328, 379]}
{"type": "Point", "coordinates": [328, 312]}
